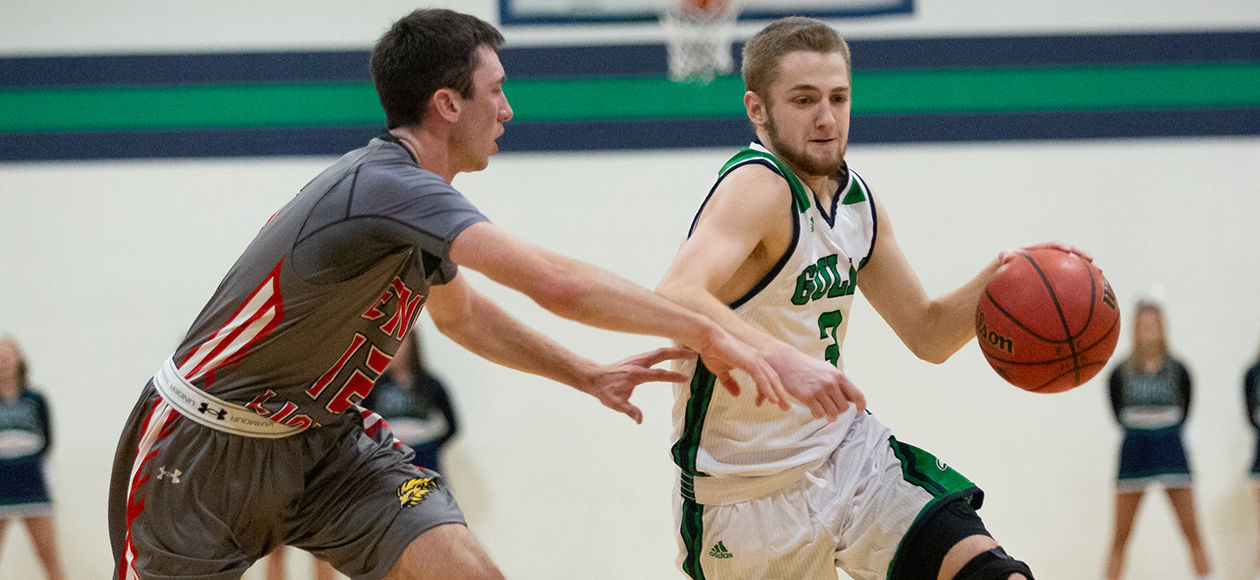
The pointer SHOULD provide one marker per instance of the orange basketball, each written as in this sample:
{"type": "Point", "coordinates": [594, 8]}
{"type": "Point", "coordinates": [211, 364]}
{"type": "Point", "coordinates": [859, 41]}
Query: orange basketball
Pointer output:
{"type": "Point", "coordinates": [1047, 321]}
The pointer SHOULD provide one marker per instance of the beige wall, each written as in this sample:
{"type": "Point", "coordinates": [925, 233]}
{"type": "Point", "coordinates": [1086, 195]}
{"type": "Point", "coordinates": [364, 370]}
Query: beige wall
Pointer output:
{"type": "Point", "coordinates": [104, 264]}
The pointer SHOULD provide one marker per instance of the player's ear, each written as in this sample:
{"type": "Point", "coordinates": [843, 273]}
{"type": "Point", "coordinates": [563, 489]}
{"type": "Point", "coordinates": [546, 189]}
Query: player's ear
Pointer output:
{"type": "Point", "coordinates": [756, 108]}
{"type": "Point", "coordinates": [446, 103]}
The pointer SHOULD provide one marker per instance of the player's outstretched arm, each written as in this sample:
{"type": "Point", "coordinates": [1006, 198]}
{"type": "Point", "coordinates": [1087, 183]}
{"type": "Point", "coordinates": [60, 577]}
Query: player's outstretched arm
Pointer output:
{"type": "Point", "coordinates": [478, 324]}
{"type": "Point", "coordinates": [736, 239]}
{"type": "Point", "coordinates": [596, 297]}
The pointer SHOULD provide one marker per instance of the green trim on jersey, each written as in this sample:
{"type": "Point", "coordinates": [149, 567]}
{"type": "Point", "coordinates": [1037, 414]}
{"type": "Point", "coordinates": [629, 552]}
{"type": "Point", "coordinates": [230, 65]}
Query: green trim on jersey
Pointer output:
{"type": "Point", "coordinates": [932, 475]}
{"type": "Point", "coordinates": [856, 193]}
{"type": "Point", "coordinates": [688, 444]}
{"type": "Point", "coordinates": [800, 196]}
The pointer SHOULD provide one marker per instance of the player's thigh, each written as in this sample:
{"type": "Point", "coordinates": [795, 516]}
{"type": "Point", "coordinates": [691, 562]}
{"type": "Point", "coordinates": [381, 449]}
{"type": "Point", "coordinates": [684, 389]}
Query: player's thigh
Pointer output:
{"type": "Point", "coordinates": [776, 536]}
{"type": "Point", "coordinates": [446, 552]}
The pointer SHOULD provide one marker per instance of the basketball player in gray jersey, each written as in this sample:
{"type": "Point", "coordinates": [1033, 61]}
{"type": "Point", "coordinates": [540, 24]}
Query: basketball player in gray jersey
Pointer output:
{"type": "Point", "coordinates": [775, 254]}
{"type": "Point", "coordinates": [249, 436]}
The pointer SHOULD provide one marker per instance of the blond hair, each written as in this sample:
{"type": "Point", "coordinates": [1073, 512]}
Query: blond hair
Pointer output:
{"type": "Point", "coordinates": [765, 50]}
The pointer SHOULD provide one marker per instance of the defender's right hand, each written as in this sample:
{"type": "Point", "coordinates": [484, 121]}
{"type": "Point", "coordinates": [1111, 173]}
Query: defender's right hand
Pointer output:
{"type": "Point", "coordinates": [816, 383]}
{"type": "Point", "coordinates": [725, 353]}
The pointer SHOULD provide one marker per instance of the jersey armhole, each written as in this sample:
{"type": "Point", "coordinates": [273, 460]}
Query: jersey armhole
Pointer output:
{"type": "Point", "coordinates": [870, 199]}
{"type": "Point", "coordinates": [787, 254]}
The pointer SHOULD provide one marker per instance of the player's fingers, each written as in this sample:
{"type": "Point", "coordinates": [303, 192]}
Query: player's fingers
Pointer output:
{"type": "Point", "coordinates": [633, 412]}
{"type": "Point", "coordinates": [660, 355]}
{"type": "Point", "coordinates": [1005, 256]}
{"type": "Point", "coordinates": [622, 405]}
{"type": "Point", "coordinates": [658, 376]}
{"type": "Point", "coordinates": [764, 382]}
{"type": "Point", "coordinates": [774, 391]}
{"type": "Point", "coordinates": [815, 408]}
{"type": "Point", "coordinates": [831, 406]}
{"type": "Point", "coordinates": [729, 383]}
{"type": "Point", "coordinates": [854, 395]}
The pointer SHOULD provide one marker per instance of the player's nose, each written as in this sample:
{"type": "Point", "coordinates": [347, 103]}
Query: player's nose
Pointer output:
{"type": "Point", "coordinates": [505, 111]}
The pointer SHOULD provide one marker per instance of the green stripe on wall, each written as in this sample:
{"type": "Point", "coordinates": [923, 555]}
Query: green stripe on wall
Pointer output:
{"type": "Point", "coordinates": [1215, 85]}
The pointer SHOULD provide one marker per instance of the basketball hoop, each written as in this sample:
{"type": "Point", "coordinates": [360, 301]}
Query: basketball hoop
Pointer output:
{"type": "Point", "coordinates": [699, 35]}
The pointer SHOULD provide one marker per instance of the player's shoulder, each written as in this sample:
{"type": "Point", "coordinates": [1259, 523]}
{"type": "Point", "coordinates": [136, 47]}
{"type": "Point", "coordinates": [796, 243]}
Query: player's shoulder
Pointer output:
{"type": "Point", "coordinates": [387, 168]}
{"type": "Point", "coordinates": [751, 188]}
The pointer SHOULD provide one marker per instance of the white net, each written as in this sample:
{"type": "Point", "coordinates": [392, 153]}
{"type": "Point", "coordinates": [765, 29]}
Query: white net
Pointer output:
{"type": "Point", "coordinates": [699, 35]}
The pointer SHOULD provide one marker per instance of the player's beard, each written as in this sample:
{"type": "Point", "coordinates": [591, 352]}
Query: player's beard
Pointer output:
{"type": "Point", "coordinates": [799, 159]}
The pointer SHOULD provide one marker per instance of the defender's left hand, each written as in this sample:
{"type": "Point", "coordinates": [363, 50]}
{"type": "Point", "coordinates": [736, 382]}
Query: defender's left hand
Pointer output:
{"type": "Point", "coordinates": [613, 384]}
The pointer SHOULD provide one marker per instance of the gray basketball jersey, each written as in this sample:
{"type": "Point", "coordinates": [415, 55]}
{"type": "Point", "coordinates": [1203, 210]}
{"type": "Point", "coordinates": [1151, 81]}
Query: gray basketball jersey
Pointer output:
{"type": "Point", "coordinates": [312, 312]}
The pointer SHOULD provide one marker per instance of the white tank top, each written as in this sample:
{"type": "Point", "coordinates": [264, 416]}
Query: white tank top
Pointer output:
{"type": "Point", "coordinates": [729, 448]}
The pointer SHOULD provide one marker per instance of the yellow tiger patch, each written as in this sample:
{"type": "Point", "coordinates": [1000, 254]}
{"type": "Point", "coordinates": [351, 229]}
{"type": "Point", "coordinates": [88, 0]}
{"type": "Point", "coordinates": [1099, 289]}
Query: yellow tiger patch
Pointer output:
{"type": "Point", "coordinates": [412, 492]}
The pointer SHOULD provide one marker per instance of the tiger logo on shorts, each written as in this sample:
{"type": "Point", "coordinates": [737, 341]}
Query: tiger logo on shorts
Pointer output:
{"type": "Point", "coordinates": [414, 491]}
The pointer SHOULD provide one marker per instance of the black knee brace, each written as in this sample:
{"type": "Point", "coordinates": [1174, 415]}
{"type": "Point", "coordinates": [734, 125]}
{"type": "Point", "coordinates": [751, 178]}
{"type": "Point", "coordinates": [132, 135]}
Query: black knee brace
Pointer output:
{"type": "Point", "coordinates": [993, 565]}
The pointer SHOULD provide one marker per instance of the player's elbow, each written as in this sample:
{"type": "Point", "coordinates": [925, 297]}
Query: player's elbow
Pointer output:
{"type": "Point", "coordinates": [559, 294]}
{"type": "Point", "coordinates": [928, 350]}
{"type": "Point", "coordinates": [933, 357]}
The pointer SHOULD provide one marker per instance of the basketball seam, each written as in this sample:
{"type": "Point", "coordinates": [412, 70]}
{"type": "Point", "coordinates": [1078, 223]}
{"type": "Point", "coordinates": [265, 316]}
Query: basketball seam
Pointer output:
{"type": "Point", "coordinates": [1060, 359]}
{"type": "Point", "coordinates": [1012, 318]}
{"type": "Point", "coordinates": [1067, 330]}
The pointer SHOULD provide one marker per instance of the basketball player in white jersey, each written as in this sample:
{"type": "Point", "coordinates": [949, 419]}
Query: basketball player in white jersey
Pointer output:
{"type": "Point", "coordinates": [786, 236]}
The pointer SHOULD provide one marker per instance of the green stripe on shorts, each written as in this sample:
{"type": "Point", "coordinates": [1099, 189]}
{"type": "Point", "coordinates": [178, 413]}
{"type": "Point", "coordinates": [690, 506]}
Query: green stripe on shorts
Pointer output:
{"type": "Point", "coordinates": [692, 530]}
{"type": "Point", "coordinates": [924, 470]}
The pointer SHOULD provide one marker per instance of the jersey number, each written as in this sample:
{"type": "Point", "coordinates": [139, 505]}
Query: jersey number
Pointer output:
{"type": "Point", "coordinates": [828, 324]}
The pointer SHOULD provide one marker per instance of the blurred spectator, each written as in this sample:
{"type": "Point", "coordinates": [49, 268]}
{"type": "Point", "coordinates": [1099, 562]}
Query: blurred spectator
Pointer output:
{"type": "Point", "coordinates": [415, 404]}
{"type": "Point", "coordinates": [1251, 392]}
{"type": "Point", "coordinates": [25, 438]}
{"type": "Point", "coordinates": [1150, 396]}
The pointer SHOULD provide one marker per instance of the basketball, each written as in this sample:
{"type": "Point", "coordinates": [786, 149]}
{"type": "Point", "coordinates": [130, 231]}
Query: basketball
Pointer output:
{"type": "Point", "coordinates": [1047, 321]}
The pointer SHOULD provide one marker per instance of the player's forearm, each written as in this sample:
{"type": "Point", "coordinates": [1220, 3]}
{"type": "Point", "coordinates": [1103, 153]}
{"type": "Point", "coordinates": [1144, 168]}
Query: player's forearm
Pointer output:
{"type": "Point", "coordinates": [491, 333]}
{"type": "Point", "coordinates": [701, 301]}
{"type": "Point", "coordinates": [599, 298]}
{"type": "Point", "coordinates": [951, 318]}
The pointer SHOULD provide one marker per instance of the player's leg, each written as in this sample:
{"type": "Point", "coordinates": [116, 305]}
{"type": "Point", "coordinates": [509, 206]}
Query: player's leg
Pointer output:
{"type": "Point", "coordinates": [953, 544]}
{"type": "Point", "coordinates": [1257, 551]}
{"type": "Point", "coordinates": [276, 563]}
{"type": "Point", "coordinates": [44, 537]}
{"type": "Point", "coordinates": [323, 570]}
{"type": "Point", "coordinates": [1182, 499]}
{"type": "Point", "coordinates": [1126, 511]}
{"type": "Point", "coordinates": [943, 537]}
{"type": "Point", "coordinates": [445, 552]}
{"type": "Point", "coordinates": [980, 558]}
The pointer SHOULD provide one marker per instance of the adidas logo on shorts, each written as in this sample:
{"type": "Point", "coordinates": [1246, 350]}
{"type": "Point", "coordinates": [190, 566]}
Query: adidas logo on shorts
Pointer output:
{"type": "Point", "coordinates": [719, 551]}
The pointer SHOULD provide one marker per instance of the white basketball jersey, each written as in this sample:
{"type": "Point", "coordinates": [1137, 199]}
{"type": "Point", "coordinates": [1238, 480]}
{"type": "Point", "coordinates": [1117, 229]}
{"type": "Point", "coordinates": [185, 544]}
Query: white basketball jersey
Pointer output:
{"type": "Point", "coordinates": [726, 446]}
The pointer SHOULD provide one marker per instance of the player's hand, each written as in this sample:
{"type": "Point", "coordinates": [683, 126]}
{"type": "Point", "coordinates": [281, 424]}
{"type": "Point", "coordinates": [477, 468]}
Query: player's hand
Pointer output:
{"type": "Point", "coordinates": [817, 384]}
{"type": "Point", "coordinates": [724, 354]}
{"type": "Point", "coordinates": [1007, 255]}
{"type": "Point", "coordinates": [613, 384]}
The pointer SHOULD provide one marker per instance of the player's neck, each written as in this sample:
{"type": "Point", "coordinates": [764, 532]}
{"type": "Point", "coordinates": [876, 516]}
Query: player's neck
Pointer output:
{"type": "Point", "coordinates": [10, 389]}
{"type": "Point", "coordinates": [430, 151]}
{"type": "Point", "coordinates": [822, 186]}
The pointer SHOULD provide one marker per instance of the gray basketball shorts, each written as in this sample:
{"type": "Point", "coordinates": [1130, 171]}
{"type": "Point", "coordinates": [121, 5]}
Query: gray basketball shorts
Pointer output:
{"type": "Point", "coordinates": [187, 501]}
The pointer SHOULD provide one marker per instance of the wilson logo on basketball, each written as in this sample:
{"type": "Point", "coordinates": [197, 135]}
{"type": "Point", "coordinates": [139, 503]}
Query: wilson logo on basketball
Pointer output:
{"type": "Point", "coordinates": [414, 491]}
{"type": "Point", "coordinates": [994, 339]}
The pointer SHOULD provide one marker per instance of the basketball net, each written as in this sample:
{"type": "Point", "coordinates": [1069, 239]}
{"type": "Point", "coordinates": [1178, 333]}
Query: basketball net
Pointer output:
{"type": "Point", "coordinates": [699, 35]}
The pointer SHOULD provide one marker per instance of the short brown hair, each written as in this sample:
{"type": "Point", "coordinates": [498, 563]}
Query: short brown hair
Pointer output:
{"type": "Point", "coordinates": [765, 50]}
{"type": "Point", "coordinates": [424, 52]}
